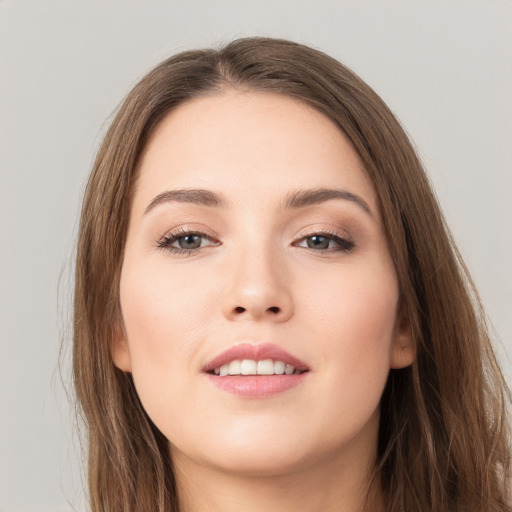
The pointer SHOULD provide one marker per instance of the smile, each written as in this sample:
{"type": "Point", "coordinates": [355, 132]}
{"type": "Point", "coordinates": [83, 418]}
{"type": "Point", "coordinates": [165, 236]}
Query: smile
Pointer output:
{"type": "Point", "coordinates": [255, 371]}
{"type": "Point", "coordinates": [253, 367]}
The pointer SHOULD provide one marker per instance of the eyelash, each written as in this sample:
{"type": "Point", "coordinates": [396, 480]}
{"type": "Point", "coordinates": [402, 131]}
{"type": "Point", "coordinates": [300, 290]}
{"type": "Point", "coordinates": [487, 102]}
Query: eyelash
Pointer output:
{"type": "Point", "coordinates": [166, 241]}
{"type": "Point", "coordinates": [344, 245]}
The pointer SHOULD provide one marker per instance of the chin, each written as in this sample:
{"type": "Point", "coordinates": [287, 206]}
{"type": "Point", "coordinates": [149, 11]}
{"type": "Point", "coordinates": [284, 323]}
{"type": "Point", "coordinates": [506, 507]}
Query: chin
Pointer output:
{"type": "Point", "coordinates": [254, 453]}
{"type": "Point", "coordinates": [260, 461]}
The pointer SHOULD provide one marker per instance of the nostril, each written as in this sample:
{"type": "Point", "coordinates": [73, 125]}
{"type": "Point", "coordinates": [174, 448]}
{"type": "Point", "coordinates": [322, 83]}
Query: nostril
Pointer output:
{"type": "Point", "coordinates": [240, 309]}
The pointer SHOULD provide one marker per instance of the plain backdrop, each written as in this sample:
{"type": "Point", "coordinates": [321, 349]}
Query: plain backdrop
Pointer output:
{"type": "Point", "coordinates": [444, 67]}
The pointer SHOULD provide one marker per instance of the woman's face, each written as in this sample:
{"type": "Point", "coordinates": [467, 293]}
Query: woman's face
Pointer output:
{"type": "Point", "coordinates": [255, 245]}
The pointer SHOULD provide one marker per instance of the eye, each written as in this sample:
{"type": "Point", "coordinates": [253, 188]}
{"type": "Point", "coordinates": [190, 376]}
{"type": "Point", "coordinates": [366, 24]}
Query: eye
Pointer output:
{"type": "Point", "coordinates": [185, 242]}
{"type": "Point", "coordinates": [326, 242]}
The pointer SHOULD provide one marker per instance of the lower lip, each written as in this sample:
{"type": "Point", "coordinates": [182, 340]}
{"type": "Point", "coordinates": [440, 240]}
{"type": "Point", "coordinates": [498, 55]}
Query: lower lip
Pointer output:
{"type": "Point", "coordinates": [256, 386]}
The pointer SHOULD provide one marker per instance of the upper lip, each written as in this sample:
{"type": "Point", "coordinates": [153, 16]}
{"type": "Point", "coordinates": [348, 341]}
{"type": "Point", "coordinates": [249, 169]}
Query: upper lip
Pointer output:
{"type": "Point", "coordinates": [255, 352]}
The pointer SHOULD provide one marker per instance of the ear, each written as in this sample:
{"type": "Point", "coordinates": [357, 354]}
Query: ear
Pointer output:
{"type": "Point", "coordinates": [121, 351]}
{"type": "Point", "coordinates": [402, 348]}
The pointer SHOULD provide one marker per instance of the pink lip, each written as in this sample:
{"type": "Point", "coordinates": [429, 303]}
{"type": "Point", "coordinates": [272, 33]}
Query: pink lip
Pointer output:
{"type": "Point", "coordinates": [255, 386]}
{"type": "Point", "coordinates": [256, 352]}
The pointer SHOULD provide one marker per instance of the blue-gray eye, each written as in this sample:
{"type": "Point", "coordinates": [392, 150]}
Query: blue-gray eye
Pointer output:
{"type": "Point", "coordinates": [326, 242]}
{"type": "Point", "coordinates": [191, 241]}
{"type": "Point", "coordinates": [318, 242]}
{"type": "Point", "coordinates": [184, 242]}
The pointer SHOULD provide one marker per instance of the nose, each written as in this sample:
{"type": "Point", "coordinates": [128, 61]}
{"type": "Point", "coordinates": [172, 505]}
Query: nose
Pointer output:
{"type": "Point", "coordinates": [258, 288]}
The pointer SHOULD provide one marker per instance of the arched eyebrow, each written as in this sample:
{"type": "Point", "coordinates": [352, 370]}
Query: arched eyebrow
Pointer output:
{"type": "Point", "coordinates": [295, 200]}
{"type": "Point", "coordinates": [304, 198]}
{"type": "Point", "coordinates": [194, 196]}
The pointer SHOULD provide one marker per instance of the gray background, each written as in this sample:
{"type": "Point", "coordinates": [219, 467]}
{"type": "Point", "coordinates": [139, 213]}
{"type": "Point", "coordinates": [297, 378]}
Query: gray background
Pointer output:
{"type": "Point", "coordinates": [444, 67]}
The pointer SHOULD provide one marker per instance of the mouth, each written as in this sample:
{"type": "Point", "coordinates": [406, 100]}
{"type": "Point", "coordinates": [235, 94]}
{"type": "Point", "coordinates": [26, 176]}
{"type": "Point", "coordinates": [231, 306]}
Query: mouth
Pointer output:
{"type": "Point", "coordinates": [259, 359]}
{"type": "Point", "coordinates": [254, 367]}
{"type": "Point", "coordinates": [255, 371]}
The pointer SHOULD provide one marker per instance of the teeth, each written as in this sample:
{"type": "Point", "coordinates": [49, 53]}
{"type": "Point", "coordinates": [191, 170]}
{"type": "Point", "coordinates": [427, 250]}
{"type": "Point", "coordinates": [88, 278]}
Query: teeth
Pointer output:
{"type": "Point", "coordinates": [266, 367]}
{"type": "Point", "coordinates": [234, 368]}
{"type": "Point", "coordinates": [279, 367]}
{"type": "Point", "coordinates": [248, 367]}
{"type": "Point", "coordinates": [252, 367]}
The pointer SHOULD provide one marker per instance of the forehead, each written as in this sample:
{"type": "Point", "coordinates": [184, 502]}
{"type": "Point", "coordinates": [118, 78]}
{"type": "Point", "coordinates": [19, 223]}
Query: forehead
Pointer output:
{"type": "Point", "coordinates": [249, 143]}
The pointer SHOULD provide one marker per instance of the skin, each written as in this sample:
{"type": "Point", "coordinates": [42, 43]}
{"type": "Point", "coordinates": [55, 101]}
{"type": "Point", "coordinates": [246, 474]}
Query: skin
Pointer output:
{"type": "Point", "coordinates": [255, 279]}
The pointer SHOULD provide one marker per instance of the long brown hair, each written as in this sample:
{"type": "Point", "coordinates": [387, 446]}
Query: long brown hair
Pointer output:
{"type": "Point", "coordinates": [444, 435]}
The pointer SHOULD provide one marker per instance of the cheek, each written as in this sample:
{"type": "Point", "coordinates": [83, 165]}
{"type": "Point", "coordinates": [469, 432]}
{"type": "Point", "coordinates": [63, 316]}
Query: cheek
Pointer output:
{"type": "Point", "coordinates": [161, 308]}
{"type": "Point", "coordinates": [164, 315]}
{"type": "Point", "coordinates": [355, 315]}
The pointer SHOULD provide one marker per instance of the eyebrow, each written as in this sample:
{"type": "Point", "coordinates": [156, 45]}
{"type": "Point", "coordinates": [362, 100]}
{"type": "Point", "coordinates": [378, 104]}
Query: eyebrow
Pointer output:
{"type": "Point", "coordinates": [303, 198]}
{"type": "Point", "coordinates": [194, 196]}
{"type": "Point", "coordinates": [295, 200]}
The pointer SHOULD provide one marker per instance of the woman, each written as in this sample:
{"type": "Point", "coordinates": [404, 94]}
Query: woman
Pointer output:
{"type": "Point", "coordinates": [269, 309]}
